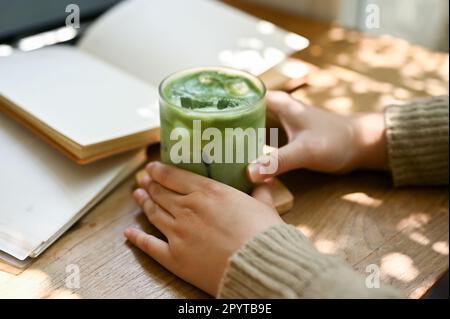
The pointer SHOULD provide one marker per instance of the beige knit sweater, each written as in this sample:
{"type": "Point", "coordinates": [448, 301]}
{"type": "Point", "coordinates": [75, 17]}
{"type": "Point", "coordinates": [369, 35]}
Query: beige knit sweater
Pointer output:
{"type": "Point", "coordinates": [282, 263]}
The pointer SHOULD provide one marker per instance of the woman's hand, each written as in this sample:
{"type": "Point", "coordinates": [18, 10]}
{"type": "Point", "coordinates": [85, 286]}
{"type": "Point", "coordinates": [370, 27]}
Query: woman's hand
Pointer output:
{"type": "Point", "coordinates": [204, 221]}
{"type": "Point", "coordinates": [323, 141]}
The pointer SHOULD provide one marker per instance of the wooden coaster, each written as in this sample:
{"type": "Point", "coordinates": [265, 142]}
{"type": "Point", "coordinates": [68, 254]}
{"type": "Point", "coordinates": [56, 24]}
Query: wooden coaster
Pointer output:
{"type": "Point", "coordinates": [283, 198]}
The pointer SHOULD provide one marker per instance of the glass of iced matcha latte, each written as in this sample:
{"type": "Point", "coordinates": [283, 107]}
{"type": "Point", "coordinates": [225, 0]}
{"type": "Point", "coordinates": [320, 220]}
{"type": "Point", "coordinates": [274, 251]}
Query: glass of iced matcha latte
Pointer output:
{"type": "Point", "coordinates": [212, 122]}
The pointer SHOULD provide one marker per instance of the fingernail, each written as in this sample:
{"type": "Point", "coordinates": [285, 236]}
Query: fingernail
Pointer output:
{"type": "Point", "coordinates": [149, 165]}
{"type": "Point", "coordinates": [127, 232]}
{"type": "Point", "coordinates": [253, 172]}
{"type": "Point", "coordinates": [139, 194]}
{"type": "Point", "coordinates": [144, 180]}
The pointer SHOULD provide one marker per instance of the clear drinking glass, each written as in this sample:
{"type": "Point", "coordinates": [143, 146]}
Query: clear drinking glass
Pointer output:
{"type": "Point", "coordinates": [237, 127]}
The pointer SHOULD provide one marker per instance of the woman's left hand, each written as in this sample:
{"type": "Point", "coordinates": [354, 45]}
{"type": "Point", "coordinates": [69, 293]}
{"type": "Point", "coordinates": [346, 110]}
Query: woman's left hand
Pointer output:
{"type": "Point", "coordinates": [204, 221]}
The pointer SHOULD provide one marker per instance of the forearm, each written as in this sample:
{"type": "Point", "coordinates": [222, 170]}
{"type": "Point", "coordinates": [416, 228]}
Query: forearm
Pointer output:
{"type": "Point", "coordinates": [282, 263]}
{"type": "Point", "coordinates": [410, 140]}
{"type": "Point", "coordinates": [370, 141]}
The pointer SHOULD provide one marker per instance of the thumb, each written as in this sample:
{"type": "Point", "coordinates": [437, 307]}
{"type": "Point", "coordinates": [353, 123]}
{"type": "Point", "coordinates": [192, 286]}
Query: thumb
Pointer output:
{"type": "Point", "coordinates": [278, 161]}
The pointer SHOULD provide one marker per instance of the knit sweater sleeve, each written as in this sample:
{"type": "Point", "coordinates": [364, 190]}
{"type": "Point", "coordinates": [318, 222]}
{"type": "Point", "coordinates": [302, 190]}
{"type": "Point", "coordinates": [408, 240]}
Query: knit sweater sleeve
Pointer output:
{"type": "Point", "coordinates": [282, 263]}
{"type": "Point", "coordinates": [417, 135]}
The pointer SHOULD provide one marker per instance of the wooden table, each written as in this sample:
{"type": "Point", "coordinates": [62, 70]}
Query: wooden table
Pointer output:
{"type": "Point", "coordinates": [359, 216]}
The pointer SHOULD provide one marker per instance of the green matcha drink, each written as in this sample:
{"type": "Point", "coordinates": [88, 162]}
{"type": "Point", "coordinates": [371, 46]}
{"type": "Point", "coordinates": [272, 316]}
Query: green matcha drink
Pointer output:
{"type": "Point", "coordinates": [212, 122]}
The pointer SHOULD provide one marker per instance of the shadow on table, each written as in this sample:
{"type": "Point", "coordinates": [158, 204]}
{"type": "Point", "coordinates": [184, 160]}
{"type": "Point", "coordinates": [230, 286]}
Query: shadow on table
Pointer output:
{"type": "Point", "coordinates": [364, 220]}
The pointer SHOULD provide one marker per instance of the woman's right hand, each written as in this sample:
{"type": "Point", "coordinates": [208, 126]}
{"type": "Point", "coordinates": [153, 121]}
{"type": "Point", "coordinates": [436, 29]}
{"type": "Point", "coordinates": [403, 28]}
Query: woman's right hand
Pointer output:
{"type": "Point", "coordinates": [323, 141]}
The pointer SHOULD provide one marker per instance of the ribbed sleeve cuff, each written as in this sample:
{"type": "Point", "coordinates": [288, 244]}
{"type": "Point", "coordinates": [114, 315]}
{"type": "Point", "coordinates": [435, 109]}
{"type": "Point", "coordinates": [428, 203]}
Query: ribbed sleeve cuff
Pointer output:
{"type": "Point", "coordinates": [272, 265]}
{"type": "Point", "coordinates": [417, 135]}
{"type": "Point", "coordinates": [282, 263]}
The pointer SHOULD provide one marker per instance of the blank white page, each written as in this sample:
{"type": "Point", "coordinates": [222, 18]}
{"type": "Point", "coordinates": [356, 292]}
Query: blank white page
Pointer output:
{"type": "Point", "coordinates": [151, 39]}
{"type": "Point", "coordinates": [81, 97]}
{"type": "Point", "coordinates": [42, 192]}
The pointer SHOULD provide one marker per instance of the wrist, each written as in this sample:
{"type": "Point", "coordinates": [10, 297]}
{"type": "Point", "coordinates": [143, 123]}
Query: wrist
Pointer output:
{"type": "Point", "coordinates": [370, 141]}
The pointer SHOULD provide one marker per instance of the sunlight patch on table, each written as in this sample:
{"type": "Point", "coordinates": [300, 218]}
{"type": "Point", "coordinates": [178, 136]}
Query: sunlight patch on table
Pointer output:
{"type": "Point", "coordinates": [419, 238]}
{"type": "Point", "coordinates": [441, 247]}
{"type": "Point", "coordinates": [340, 105]}
{"type": "Point", "coordinates": [63, 294]}
{"type": "Point", "coordinates": [308, 232]}
{"type": "Point", "coordinates": [30, 284]}
{"type": "Point", "coordinates": [399, 266]}
{"type": "Point", "coordinates": [413, 221]}
{"type": "Point", "coordinates": [294, 70]}
{"type": "Point", "coordinates": [362, 199]}
{"type": "Point", "coordinates": [326, 246]}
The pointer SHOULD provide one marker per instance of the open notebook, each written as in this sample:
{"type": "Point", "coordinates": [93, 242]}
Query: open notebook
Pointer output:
{"type": "Point", "coordinates": [100, 98]}
{"type": "Point", "coordinates": [43, 193]}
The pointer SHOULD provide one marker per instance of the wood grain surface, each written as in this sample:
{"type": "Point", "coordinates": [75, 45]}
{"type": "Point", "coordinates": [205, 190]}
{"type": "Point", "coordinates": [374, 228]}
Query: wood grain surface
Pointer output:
{"type": "Point", "coordinates": [359, 216]}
